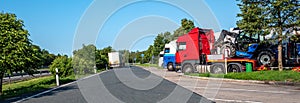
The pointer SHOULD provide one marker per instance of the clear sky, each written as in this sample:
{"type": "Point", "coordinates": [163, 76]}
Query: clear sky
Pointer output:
{"type": "Point", "coordinates": [60, 26]}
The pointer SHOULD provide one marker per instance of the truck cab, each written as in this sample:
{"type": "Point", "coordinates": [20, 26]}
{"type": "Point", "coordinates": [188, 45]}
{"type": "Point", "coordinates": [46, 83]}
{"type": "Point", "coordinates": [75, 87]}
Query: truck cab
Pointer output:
{"type": "Point", "coordinates": [192, 47]}
{"type": "Point", "coordinates": [169, 55]}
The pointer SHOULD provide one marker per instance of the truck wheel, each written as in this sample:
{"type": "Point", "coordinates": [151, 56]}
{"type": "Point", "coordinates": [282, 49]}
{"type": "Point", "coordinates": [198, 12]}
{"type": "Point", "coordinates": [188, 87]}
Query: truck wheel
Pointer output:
{"type": "Point", "coordinates": [217, 68]}
{"type": "Point", "coordinates": [170, 67]}
{"type": "Point", "coordinates": [266, 58]}
{"type": "Point", "coordinates": [188, 68]}
{"type": "Point", "coordinates": [236, 67]}
{"type": "Point", "coordinates": [231, 49]}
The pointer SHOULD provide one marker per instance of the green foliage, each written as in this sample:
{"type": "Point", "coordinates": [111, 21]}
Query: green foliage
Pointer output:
{"type": "Point", "coordinates": [267, 76]}
{"type": "Point", "coordinates": [17, 52]}
{"type": "Point", "coordinates": [64, 66]}
{"type": "Point", "coordinates": [102, 57]}
{"type": "Point", "coordinates": [160, 41]}
{"type": "Point", "coordinates": [158, 46]}
{"type": "Point", "coordinates": [84, 60]}
{"type": "Point", "coordinates": [253, 17]}
{"type": "Point", "coordinates": [178, 32]}
{"type": "Point", "coordinates": [149, 65]}
{"type": "Point", "coordinates": [267, 16]}
{"type": "Point", "coordinates": [149, 53]}
{"type": "Point", "coordinates": [135, 55]}
{"type": "Point", "coordinates": [47, 58]}
{"type": "Point", "coordinates": [34, 60]}
{"type": "Point", "coordinates": [187, 25]}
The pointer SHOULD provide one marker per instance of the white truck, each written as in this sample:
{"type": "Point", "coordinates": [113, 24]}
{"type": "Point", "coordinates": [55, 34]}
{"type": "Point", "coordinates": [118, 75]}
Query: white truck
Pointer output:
{"type": "Point", "coordinates": [169, 55]}
{"type": "Point", "coordinates": [114, 59]}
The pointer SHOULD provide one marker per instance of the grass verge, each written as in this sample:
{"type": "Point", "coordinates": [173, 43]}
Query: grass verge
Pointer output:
{"type": "Point", "coordinates": [149, 65]}
{"type": "Point", "coordinates": [289, 76]}
{"type": "Point", "coordinates": [32, 86]}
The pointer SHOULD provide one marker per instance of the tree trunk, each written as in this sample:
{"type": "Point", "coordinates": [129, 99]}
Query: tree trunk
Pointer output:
{"type": "Point", "coordinates": [280, 67]}
{"type": "Point", "coordinates": [280, 51]}
{"type": "Point", "coordinates": [1, 81]}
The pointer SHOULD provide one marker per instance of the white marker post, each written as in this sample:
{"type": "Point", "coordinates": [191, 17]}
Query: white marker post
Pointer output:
{"type": "Point", "coordinates": [95, 70]}
{"type": "Point", "coordinates": [226, 55]}
{"type": "Point", "coordinates": [57, 78]}
{"type": "Point", "coordinates": [106, 67]}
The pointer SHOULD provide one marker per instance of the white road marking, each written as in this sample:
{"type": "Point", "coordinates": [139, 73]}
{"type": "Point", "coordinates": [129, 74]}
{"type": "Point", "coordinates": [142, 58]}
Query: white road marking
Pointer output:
{"type": "Point", "coordinates": [238, 101]}
{"type": "Point", "coordinates": [246, 90]}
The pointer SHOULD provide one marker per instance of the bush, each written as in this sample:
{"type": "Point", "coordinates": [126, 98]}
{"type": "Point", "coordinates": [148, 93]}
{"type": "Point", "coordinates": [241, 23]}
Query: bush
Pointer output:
{"type": "Point", "coordinates": [64, 66]}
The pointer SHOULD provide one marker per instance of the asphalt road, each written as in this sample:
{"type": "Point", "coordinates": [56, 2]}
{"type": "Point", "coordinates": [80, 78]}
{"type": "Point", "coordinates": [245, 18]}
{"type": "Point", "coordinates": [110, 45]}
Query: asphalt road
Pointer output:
{"type": "Point", "coordinates": [130, 85]}
{"type": "Point", "coordinates": [223, 91]}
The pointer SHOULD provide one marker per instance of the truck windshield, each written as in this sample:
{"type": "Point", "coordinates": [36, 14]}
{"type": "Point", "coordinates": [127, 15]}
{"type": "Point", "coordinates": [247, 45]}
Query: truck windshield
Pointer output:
{"type": "Point", "coordinates": [167, 50]}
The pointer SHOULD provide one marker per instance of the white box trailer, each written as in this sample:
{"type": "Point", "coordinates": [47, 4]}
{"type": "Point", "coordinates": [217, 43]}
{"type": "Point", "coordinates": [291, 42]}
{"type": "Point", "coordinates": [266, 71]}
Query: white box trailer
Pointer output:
{"type": "Point", "coordinates": [115, 59]}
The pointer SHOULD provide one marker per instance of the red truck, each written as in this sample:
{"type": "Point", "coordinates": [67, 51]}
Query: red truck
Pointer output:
{"type": "Point", "coordinates": [192, 47]}
{"type": "Point", "coordinates": [193, 53]}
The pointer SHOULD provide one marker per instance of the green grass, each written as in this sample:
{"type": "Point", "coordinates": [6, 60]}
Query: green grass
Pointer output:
{"type": "Point", "coordinates": [290, 76]}
{"type": "Point", "coordinates": [147, 65]}
{"type": "Point", "coordinates": [32, 86]}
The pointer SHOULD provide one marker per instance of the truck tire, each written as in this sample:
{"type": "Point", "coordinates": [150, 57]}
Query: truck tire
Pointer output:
{"type": "Point", "coordinates": [266, 58]}
{"type": "Point", "coordinates": [217, 68]}
{"type": "Point", "coordinates": [231, 49]}
{"type": "Point", "coordinates": [170, 67]}
{"type": "Point", "coordinates": [187, 68]}
{"type": "Point", "coordinates": [235, 67]}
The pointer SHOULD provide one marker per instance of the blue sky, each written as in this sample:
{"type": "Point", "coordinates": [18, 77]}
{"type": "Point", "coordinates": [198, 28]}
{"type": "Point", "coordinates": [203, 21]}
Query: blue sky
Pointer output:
{"type": "Point", "coordinates": [60, 26]}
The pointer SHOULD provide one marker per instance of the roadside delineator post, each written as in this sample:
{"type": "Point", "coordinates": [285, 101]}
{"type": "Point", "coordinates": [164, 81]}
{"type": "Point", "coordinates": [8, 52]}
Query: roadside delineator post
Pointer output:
{"type": "Point", "coordinates": [95, 70]}
{"type": "Point", "coordinates": [57, 78]}
{"type": "Point", "coordinates": [106, 67]}
{"type": "Point", "coordinates": [226, 55]}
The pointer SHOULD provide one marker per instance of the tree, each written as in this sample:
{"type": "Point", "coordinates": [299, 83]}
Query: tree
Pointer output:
{"type": "Point", "coordinates": [48, 58]}
{"type": "Point", "coordinates": [187, 25]}
{"type": "Point", "coordinates": [268, 15]}
{"type": "Point", "coordinates": [148, 54]}
{"type": "Point", "coordinates": [64, 66]}
{"type": "Point", "coordinates": [102, 57]}
{"type": "Point", "coordinates": [84, 60]}
{"type": "Point", "coordinates": [168, 37]}
{"type": "Point", "coordinates": [178, 32]}
{"type": "Point", "coordinates": [159, 44]}
{"type": "Point", "coordinates": [34, 60]}
{"type": "Point", "coordinates": [17, 52]}
{"type": "Point", "coordinates": [125, 56]}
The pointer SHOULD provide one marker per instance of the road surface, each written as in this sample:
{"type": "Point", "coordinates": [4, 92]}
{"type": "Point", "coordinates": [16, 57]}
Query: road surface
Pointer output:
{"type": "Point", "coordinates": [130, 85]}
{"type": "Point", "coordinates": [232, 91]}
